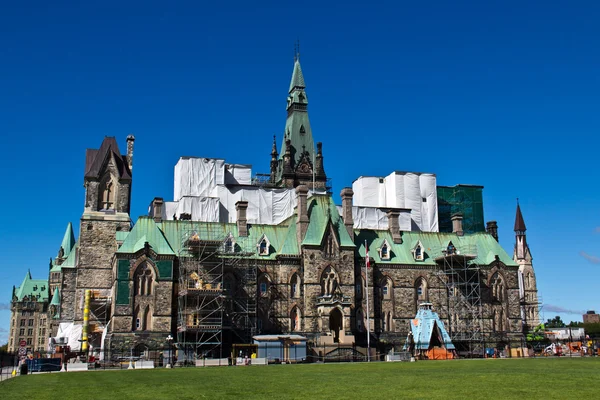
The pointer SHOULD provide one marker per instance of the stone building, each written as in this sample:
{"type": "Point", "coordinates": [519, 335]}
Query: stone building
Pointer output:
{"type": "Point", "coordinates": [235, 255]}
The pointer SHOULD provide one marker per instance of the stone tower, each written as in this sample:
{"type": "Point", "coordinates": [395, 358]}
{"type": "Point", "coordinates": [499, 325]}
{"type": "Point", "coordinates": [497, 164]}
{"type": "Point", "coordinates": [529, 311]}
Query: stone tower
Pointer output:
{"type": "Point", "coordinates": [298, 159]}
{"type": "Point", "coordinates": [107, 183]}
{"type": "Point", "coordinates": [527, 281]}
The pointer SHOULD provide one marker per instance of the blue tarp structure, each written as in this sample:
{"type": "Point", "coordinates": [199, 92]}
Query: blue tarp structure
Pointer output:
{"type": "Point", "coordinates": [427, 331]}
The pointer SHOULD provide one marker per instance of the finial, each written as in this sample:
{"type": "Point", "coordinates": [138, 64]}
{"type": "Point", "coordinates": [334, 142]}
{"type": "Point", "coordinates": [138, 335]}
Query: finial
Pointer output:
{"type": "Point", "coordinates": [517, 201]}
{"type": "Point", "coordinates": [297, 50]}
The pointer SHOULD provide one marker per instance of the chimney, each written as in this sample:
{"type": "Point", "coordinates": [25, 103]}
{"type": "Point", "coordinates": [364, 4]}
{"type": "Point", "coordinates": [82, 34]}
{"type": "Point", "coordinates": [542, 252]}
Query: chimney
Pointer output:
{"type": "Point", "coordinates": [457, 224]}
{"type": "Point", "coordinates": [156, 208]}
{"type": "Point", "coordinates": [242, 221]}
{"type": "Point", "coordinates": [302, 227]}
{"type": "Point", "coordinates": [394, 225]}
{"type": "Point", "coordinates": [492, 228]}
{"type": "Point", "coordinates": [346, 196]}
{"type": "Point", "coordinates": [130, 140]}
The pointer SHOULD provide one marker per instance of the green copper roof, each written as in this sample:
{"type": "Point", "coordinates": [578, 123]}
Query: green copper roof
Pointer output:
{"type": "Point", "coordinates": [297, 77]}
{"type": "Point", "coordinates": [282, 237]}
{"type": "Point", "coordinates": [322, 211]}
{"type": "Point", "coordinates": [68, 240]}
{"type": "Point", "coordinates": [34, 289]}
{"type": "Point", "coordinates": [55, 298]}
{"type": "Point", "coordinates": [68, 263]}
{"type": "Point", "coordinates": [145, 230]}
{"type": "Point", "coordinates": [297, 125]}
{"type": "Point", "coordinates": [481, 245]}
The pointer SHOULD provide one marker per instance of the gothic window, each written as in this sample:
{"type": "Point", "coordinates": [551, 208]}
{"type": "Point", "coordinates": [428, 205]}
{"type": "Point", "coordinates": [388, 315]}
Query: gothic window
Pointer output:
{"type": "Point", "coordinates": [360, 319]}
{"type": "Point", "coordinates": [295, 320]}
{"type": "Point", "coordinates": [421, 294]}
{"type": "Point", "coordinates": [528, 281]}
{"type": "Point", "coordinates": [386, 289]}
{"type": "Point", "coordinates": [329, 282]}
{"type": "Point", "coordinates": [263, 285]}
{"type": "Point", "coordinates": [498, 320]}
{"type": "Point", "coordinates": [295, 286]}
{"type": "Point", "coordinates": [143, 280]}
{"type": "Point", "coordinates": [331, 248]}
{"type": "Point", "coordinates": [107, 193]}
{"type": "Point", "coordinates": [384, 251]}
{"type": "Point", "coordinates": [359, 286]}
{"type": "Point", "coordinates": [229, 283]}
{"type": "Point", "coordinates": [263, 246]}
{"type": "Point", "coordinates": [498, 287]}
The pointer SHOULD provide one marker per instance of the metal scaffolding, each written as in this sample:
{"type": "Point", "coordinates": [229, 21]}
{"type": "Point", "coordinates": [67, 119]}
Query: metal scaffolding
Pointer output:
{"type": "Point", "coordinates": [216, 295]}
{"type": "Point", "coordinates": [464, 308]}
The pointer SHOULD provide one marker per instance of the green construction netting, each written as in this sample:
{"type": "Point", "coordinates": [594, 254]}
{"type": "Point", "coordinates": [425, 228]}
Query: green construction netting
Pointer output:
{"type": "Point", "coordinates": [467, 200]}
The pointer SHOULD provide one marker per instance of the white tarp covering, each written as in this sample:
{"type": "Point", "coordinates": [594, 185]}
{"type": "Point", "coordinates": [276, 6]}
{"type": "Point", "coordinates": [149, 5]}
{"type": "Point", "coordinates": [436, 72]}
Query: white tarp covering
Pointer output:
{"type": "Point", "coordinates": [265, 206]}
{"type": "Point", "coordinates": [204, 209]}
{"type": "Point", "coordinates": [415, 191]}
{"type": "Point", "coordinates": [73, 334]}
{"type": "Point", "coordinates": [209, 188]}
{"type": "Point", "coordinates": [197, 176]}
{"type": "Point", "coordinates": [236, 174]}
{"type": "Point", "coordinates": [376, 218]}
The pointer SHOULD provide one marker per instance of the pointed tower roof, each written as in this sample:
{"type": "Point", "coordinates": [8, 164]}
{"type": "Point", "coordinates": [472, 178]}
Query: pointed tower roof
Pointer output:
{"type": "Point", "coordinates": [519, 222]}
{"type": "Point", "coordinates": [68, 241]}
{"type": "Point", "coordinates": [96, 159]}
{"type": "Point", "coordinates": [55, 298]}
{"type": "Point", "coordinates": [297, 77]}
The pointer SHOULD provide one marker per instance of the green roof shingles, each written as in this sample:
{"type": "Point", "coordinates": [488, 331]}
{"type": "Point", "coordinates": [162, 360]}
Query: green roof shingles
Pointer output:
{"type": "Point", "coordinates": [36, 289]}
{"type": "Point", "coordinates": [322, 211]}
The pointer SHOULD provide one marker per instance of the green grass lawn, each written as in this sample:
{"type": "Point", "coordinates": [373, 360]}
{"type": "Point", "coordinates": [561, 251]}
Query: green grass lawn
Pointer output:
{"type": "Point", "coordinates": [548, 378]}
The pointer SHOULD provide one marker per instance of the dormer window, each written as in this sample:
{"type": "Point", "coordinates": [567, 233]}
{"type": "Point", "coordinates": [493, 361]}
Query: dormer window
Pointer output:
{"type": "Point", "coordinates": [229, 244]}
{"type": "Point", "coordinates": [263, 246]}
{"type": "Point", "coordinates": [450, 249]}
{"type": "Point", "coordinates": [384, 251]}
{"type": "Point", "coordinates": [418, 252]}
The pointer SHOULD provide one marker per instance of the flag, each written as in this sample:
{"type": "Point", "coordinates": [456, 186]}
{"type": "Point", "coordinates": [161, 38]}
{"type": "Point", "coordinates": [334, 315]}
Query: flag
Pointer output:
{"type": "Point", "coordinates": [367, 261]}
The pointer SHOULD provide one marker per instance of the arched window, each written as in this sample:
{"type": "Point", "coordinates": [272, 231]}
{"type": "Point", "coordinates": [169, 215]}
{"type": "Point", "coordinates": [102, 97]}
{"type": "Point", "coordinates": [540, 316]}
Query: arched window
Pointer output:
{"type": "Point", "coordinates": [295, 286]}
{"type": "Point", "coordinates": [229, 284]}
{"type": "Point", "coordinates": [329, 282]}
{"type": "Point", "coordinates": [295, 320]}
{"type": "Point", "coordinates": [359, 286]}
{"type": "Point", "coordinates": [143, 280]}
{"type": "Point", "coordinates": [360, 319]}
{"type": "Point", "coordinates": [497, 284]}
{"type": "Point", "coordinates": [528, 281]}
{"type": "Point", "coordinates": [387, 288]}
{"type": "Point", "coordinates": [106, 193]}
{"type": "Point", "coordinates": [421, 292]}
{"type": "Point", "coordinates": [263, 285]}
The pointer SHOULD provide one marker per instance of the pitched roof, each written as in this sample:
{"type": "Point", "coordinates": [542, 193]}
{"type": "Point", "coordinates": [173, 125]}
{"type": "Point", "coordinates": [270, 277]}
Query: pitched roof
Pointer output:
{"type": "Point", "coordinates": [519, 222]}
{"type": "Point", "coordinates": [282, 237]}
{"type": "Point", "coordinates": [297, 77]}
{"type": "Point", "coordinates": [145, 230]}
{"type": "Point", "coordinates": [68, 241]}
{"type": "Point", "coordinates": [322, 213]}
{"type": "Point", "coordinates": [68, 263]}
{"type": "Point", "coordinates": [481, 245]}
{"type": "Point", "coordinates": [95, 160]}
{"type": "Point", "coordinates": [34, 289]}
{"type": "Point", "coordinates": [56, 298]}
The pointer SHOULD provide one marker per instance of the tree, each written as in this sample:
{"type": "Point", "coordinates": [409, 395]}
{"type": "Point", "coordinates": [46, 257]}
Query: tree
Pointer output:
{"type": "Point", "coordinates": [555, 322]}
{"type": "Point", "coordinates": [4, 348]}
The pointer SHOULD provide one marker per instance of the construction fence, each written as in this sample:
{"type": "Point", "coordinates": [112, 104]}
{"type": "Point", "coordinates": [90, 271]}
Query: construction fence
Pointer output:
{"type": "Point", "coordinates": [41, 362]}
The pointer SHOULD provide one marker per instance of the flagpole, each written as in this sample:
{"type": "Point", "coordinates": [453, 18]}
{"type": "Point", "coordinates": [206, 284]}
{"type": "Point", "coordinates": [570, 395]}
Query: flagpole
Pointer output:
{"type": "Point", "coordinates": [367, 293]}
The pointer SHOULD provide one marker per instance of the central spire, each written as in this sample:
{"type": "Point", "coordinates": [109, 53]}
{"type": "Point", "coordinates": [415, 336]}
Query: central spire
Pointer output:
{"type": "Point", "coordinates": [298, 162]}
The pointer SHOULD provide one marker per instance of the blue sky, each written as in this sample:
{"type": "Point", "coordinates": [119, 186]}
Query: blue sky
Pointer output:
{"type": "Point", "coordinates": [502, 94]}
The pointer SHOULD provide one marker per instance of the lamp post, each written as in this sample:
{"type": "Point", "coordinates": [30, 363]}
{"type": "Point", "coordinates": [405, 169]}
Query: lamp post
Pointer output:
{"type": "Point", "coordinates": [169, 342]}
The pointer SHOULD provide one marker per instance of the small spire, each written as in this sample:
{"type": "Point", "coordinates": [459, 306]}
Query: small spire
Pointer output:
{"type": "Point", "coordinates": [274, 148]}
{"type": "Point", "coordinates": [519, 221]}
